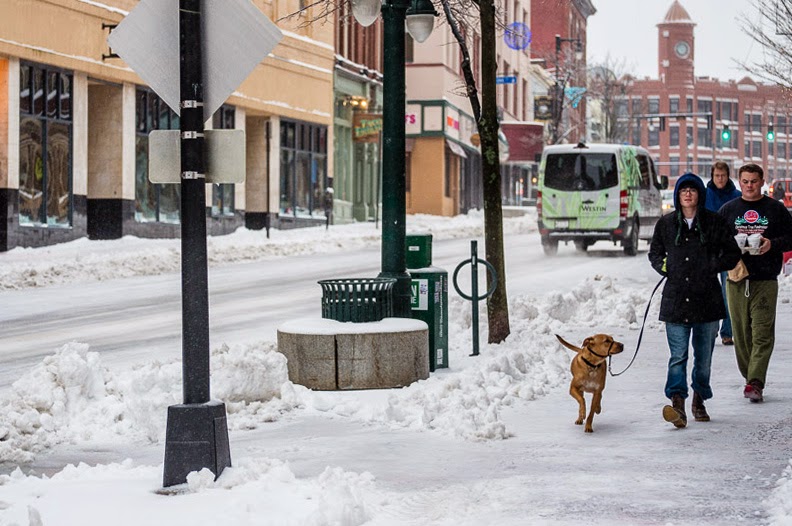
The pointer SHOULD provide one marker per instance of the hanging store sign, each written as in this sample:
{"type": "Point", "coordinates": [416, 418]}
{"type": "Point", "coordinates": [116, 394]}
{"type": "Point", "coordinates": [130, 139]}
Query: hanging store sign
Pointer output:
{"type": "Point", "coordinates": [366, 127]}
{"type": "Point", "coordinates": [543, 108]}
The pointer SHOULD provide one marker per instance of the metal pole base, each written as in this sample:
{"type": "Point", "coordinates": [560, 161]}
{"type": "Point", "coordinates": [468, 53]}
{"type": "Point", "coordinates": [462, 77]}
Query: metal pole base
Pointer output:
{"type": "Point", "coordinates": [196, 438]}
{"type": "Point", "coordinates": [401, 293]}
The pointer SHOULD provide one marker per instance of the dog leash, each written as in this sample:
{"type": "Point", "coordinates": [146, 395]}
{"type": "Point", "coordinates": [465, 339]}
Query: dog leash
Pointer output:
{"type": "Point", "coordinates": [640, 336]}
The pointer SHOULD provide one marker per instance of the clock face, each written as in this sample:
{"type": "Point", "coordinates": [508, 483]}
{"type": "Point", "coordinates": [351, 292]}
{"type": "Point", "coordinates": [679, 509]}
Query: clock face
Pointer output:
{"type": "Point", "coordinates": [682, 49]}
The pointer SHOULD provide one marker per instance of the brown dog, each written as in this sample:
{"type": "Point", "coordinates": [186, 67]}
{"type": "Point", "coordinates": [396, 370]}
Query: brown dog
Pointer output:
{"type": "Point", "coordinates": [589, 372]}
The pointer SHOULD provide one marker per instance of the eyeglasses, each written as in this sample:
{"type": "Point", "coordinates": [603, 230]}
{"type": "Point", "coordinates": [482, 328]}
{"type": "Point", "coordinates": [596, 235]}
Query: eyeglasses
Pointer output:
{"type": "Point", "coordinates": [688, 190]}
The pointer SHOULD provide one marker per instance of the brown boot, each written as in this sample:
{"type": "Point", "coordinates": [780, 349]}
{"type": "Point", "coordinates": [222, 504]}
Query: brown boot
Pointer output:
{"type": "Point", "coordinates": [698, 409]}
{"type": "Point", "coordinates": [675, 413]}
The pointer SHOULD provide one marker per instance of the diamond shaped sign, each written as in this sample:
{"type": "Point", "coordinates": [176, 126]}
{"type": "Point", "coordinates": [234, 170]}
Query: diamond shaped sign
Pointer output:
{"type": "Point", "coordinates": [235, 37]}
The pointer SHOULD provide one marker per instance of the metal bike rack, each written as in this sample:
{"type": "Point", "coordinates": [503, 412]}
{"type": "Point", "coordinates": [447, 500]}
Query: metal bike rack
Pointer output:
{"type": "Point", "coordinates": [474, 295]}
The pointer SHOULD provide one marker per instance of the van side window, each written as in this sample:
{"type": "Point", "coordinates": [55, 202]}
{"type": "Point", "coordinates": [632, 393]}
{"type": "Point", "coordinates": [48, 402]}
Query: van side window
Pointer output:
{"type": "Point", "coordinates": [646, 171]}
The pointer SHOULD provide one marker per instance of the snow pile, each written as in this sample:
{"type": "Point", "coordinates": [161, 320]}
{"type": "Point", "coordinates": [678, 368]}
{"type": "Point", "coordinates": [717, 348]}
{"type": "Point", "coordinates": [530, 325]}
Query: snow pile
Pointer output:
{"type": "Point", "coordinates": [779, 504]}
{"type": "Point", "coordinates": [255, 491]}
{"type": "Point", "coordinates": [83, 260]}
{"type": "Point", "coordinates": [71, 397]}
{"type": "Point", "coordinates": [466, 401]}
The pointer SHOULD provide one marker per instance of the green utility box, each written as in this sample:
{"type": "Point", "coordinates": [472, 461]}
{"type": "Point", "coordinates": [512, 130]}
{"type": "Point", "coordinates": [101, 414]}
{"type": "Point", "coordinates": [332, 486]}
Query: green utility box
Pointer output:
{"type": "Point", "coordinates": [429, 296]}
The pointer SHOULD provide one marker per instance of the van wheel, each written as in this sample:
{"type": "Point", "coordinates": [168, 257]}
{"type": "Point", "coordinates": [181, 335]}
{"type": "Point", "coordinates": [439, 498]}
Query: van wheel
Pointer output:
{"type": "Point", "coordinates": [631, 243]}
{"type": "Point", "coordinates": [582, 244]}
{"type": "Point", "coordinates": [550, 247]}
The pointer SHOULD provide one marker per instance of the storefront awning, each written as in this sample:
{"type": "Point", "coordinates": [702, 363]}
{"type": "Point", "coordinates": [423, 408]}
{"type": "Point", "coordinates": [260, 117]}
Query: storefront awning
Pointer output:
{"type": "Point", "coordinates": [526, 140]}
{"type": "Point", "coordinates": [457, 149]}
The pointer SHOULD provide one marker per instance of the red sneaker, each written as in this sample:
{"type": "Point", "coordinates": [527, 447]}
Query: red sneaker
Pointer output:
{"type": "Point", "coordinates": [753, 392]}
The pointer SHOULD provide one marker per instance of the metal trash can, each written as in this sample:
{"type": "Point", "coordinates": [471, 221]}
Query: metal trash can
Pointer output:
{"type": "Point", "coordinates": [429, 296]}
{"type": "Point", "coordinates": [357, 299]}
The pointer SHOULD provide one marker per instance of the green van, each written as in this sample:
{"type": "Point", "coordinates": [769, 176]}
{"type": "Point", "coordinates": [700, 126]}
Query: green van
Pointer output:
{"type": "Point", "coordinates": [595, 192]}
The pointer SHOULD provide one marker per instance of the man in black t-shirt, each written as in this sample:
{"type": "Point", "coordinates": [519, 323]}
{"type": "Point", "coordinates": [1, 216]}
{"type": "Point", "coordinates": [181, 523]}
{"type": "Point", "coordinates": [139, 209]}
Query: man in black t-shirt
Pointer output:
{"type": "Point", "coordinates": [752, 300]}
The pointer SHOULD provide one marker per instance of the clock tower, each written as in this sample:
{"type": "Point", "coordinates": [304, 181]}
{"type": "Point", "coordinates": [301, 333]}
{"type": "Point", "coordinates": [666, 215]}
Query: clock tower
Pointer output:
{"type": "Point", "coordinates": [675, 47]}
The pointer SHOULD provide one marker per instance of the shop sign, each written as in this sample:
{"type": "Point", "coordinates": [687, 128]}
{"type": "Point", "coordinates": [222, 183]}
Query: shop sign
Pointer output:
{"type": "Point", "coordinates": [412, 119]}
{"type": "Point", "coordinates": [366, 127]}
{"type": "Point", "coordinates": [452, 123]}
{"type": "Point", "coordinates": [466, 128]}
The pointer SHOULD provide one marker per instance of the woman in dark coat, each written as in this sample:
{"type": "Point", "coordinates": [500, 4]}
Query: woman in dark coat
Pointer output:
{"type": "Point", "coordinates": [691, 247]}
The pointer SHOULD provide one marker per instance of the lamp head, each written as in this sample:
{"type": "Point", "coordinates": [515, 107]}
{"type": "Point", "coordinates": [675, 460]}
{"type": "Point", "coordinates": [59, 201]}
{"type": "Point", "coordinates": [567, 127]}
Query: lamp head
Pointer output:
{"type": "Point", "coordinates": [366, 12]}
{"type": "Point", "coordinates": [420, 19]}
{"type": "Point", "coordinates": [579, 49]}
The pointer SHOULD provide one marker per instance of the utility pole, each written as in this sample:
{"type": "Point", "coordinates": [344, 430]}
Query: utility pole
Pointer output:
{"type": "Point", "coordinates": [197, 433]}
{"type": "Point", "coordinates": [167, 43]}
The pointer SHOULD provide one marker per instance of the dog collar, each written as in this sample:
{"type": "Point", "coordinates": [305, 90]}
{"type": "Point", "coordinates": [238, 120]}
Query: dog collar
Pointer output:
{"type": "Point", "coordinates": [593, 366]}
{"type": "Point", "coordinates": [599, 355]}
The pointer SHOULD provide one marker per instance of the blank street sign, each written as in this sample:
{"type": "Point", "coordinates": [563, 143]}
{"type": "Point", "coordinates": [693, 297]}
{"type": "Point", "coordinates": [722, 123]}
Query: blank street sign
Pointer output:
{"type": "Point", "coordinates": [225, 156]}
{"type": "Point", "coordinates": [236, 37]}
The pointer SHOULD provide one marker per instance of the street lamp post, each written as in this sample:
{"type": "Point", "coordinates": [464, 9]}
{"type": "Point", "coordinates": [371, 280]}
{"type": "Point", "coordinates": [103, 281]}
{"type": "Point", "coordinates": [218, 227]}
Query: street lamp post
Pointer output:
{"type": "Point", "coordinates": [419, 16]}
{"type": "Point", "coordinates": [558, 87]}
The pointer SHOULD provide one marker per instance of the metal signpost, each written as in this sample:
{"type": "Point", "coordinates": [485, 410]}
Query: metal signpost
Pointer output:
{"type": "Point", "coordinates": [194, 53]}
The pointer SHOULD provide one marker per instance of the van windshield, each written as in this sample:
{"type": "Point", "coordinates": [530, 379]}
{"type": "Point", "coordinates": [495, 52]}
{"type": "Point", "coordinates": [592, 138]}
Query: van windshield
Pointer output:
{"type": "Point", "coordinates": [581, 171]}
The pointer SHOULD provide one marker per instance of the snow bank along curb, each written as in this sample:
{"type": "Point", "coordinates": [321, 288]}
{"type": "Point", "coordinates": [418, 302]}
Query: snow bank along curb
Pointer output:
{"type": "Point", "coordinates": [71, 397]}
{"type": "Point", "coordinates": [83, 260]}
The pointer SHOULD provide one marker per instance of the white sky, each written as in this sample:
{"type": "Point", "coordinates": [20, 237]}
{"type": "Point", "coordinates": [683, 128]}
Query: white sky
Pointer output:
{"type": "Point", "coordinates": [627, 29]}
{"type": "Point", "coordinates": [490, 440]}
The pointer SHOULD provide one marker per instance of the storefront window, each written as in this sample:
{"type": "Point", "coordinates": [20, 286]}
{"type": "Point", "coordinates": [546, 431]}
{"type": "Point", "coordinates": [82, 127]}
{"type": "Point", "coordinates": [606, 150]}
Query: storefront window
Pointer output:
{"type": "Point", "coordinates": [45, 131]}
{"type": "Point", "coordinates": [303, 169]}
{"type": "Point", "coordinates": [223, 193]}
{"type": "Point", "coordinates": [153, 202]}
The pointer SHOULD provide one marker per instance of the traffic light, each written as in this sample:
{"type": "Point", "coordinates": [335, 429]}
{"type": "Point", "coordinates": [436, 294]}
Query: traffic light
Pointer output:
{"type": "Point", "coordinates": [770, 133]}
{"type": "Point", "coordinates": [726, 133]}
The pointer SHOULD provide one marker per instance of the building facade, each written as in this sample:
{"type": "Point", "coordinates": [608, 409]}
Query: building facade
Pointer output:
{"type": "Point", "coordinates": [680, 117]}
{"type": "Point", "coordinates": [444, 162]}
{"type": "Point", "coordinates": [357, 123]}
{"type": "Point", "coordinates": [74, 129]}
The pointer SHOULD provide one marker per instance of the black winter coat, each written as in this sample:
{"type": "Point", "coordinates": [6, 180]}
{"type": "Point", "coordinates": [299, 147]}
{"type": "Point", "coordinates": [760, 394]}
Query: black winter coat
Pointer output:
{"type": "Point", "coordinates": [694, 257]}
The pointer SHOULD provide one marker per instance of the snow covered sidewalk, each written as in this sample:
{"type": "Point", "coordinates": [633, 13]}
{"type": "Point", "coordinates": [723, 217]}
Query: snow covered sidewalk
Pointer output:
{"type": "Point", "coordinates": [490, 441]}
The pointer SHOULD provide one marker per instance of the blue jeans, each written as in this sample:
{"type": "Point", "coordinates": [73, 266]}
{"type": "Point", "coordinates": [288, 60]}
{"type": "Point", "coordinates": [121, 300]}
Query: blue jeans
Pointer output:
{"type": "Point", "coordinates": [725, 330]}
{"type": "Point", "coordinates": [703, 340]}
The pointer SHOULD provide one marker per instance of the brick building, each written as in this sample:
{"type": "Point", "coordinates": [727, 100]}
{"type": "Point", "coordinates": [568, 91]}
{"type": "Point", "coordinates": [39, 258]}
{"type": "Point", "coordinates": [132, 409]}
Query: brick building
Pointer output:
{"type": "Point", "coordinates": [697, 109]}
{"type": "Point", "coordinates": [567, 19]}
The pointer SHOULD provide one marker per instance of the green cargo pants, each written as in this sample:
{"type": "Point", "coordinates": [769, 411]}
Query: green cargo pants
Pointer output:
{"type": "Point", "coordinates": [753, 325]}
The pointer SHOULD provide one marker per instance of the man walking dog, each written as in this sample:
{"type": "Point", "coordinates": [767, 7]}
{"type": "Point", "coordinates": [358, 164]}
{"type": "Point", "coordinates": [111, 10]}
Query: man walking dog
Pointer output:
{"type": "Point", "coordinates": [691, 247]}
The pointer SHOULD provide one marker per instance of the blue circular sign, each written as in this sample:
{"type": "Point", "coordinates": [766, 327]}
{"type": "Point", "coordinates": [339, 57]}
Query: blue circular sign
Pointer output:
{"type": "Point", "coordinates": [517, 36]}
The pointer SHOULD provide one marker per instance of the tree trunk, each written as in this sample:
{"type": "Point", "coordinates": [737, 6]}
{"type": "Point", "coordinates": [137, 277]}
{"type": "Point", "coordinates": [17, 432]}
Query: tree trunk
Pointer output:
{"type": "Point", "coordinates": [497, 304]}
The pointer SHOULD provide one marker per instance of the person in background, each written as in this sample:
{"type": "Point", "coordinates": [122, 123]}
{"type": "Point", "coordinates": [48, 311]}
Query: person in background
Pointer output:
{"type": "Point", "coordinates": [721, 190]}
{"type": "Point", "coordinates": [752, 300]}
{"type": "Point", "coordinates": [691, 246]}
{"type": "Point", "coordinates": [778, 191]}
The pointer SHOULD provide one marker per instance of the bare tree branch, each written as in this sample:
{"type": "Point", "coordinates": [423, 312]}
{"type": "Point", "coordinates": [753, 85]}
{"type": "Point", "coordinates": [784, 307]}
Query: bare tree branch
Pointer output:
{"type": "Point", "coordinates": [470, 81]}
{"type": "Point", "coordinates": [609, 88]}
{"type": "Point", "coordinates": [773, 32]}
{"type": "Point", "coordinates": [319, 15]}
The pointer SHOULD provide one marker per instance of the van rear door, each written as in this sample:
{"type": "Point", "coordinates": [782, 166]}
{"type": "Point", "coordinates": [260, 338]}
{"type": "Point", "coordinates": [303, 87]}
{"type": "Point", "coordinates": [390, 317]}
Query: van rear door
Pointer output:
{"type": "Point", "coordinates": [649, 198]}
{"type": "Point", "coordinates": [581, 191]}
